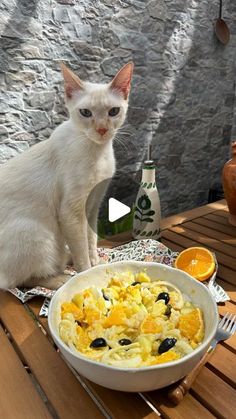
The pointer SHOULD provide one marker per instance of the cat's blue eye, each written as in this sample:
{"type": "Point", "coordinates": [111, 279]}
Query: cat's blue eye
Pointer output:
{"type": "Point", "coordinates": [86, 113]}
{"type": "Point", "coordinates": [113, 111]}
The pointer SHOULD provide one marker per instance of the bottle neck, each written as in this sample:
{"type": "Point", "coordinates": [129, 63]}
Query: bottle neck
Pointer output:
{"type": "Point", "coordinates": [148, 174]}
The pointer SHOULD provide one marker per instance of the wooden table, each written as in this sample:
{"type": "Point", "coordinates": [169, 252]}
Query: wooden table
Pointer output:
{"type": "Point", "coordinates": [36, 383]}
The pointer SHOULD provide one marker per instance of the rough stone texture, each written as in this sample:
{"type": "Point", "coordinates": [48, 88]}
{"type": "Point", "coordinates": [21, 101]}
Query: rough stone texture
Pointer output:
{"type": "Point", "coordinates": [183, 92]}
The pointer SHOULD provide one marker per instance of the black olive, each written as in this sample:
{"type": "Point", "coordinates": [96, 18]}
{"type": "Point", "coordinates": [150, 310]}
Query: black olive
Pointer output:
{"type": "Point", "coordinates": [163, 296]}
{"type": "Point", "coordinates": [166, 344]}
{"type": "Point", "coordinates": [124, 342]}
{"type": "Point", "coordinates": [98, 343]}
{"type": "Point", "coordinates": [168, 310]}
{"type": "Point", "coordinates": [135, 283]}
{"type": "Point", "coordinates": [105, 296]}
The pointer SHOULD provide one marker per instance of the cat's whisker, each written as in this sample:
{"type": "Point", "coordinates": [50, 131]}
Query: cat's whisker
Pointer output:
{"type": "Point", "coordinates": [123, 140]}
{"type": "Point", "coordinates": [127, 128]}
{"type": "Point", "coordinates": [127, 146]}
{"type": "Point", "coordinates": [127, 134]}
{"type": "Point", "coordinates": [123, 145]}
{"type": "Point", "coordinates": [131, 134]}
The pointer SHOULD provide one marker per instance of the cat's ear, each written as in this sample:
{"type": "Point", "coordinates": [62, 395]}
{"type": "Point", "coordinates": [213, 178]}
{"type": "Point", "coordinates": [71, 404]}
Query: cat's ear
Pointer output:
{"type": "Point", "coordinates": [72, 82]}
{"type": "Point", "coordinates": [122, 80]}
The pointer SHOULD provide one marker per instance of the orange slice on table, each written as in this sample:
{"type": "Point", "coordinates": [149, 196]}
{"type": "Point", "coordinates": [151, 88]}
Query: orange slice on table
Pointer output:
{"type": "Point", "coordinates": [198, 262]}
{"type": "Point", "coordinates": [191, 325]}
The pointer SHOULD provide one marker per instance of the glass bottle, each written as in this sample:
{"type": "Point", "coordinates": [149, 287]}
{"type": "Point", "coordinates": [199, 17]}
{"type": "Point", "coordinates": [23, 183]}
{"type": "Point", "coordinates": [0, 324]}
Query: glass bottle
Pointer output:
{"type": "Point", "coordinates": [147, 210]}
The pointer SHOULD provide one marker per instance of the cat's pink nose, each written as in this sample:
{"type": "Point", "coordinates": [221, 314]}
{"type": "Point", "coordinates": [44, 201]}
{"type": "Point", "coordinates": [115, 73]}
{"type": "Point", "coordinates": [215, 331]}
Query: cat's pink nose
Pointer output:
{"type": "Point", "coordinates": [101, 130]}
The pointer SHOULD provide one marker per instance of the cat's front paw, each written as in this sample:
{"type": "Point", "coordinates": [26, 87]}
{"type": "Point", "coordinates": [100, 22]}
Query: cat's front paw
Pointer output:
{"type": "Point", "coordinates": [80, 267]}
{"type": "Point", "coordinates": [93, 256]}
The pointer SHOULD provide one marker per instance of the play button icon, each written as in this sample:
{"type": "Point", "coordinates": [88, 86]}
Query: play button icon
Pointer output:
{"type": "Point", "coordinates": [116, 210]}
{"type": "Point", "coordinates": [115, 198]}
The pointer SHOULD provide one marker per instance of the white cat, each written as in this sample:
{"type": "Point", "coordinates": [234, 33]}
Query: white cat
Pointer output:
{"type": "Point", "coordinates": [43, 191]}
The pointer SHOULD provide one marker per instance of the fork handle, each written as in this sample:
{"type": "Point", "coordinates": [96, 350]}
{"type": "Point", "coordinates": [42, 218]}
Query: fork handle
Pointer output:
{"type": "Point", "coordinates": [177, 393]}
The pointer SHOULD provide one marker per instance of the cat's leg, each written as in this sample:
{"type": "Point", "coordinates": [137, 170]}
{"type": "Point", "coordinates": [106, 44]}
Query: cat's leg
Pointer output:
{"type": "Point", "coordinates": [92, 213]}
{"type": "Point", "coordinates": [31, 250]}
{"type": "Point", "coordinates": [92, 236]}
{"type": "Point", "coordinates": [4, 281]}
{"type": "Point", "coordinates": [74, 229]}
{"type": "Point", "coordinates": [52, 283]}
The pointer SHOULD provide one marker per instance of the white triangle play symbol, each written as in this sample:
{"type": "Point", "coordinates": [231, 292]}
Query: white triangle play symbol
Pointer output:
{"type": "Point", "coordinates": [116, 209]}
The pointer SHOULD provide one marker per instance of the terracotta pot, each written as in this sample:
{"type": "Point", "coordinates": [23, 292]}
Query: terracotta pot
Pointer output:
{"type": "Point", "coordinates": [229, 185]}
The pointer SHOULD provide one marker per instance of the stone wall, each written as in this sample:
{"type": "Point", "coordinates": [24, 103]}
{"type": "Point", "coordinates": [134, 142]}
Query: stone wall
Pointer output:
{"type": "Point", "coordinates": [183, 90]}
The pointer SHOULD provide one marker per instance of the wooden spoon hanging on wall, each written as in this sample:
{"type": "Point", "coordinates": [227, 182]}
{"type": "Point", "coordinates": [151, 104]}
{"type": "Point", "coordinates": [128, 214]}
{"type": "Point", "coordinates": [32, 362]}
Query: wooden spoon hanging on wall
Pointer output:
{"type": "Point", "coordinates": [221, 28]}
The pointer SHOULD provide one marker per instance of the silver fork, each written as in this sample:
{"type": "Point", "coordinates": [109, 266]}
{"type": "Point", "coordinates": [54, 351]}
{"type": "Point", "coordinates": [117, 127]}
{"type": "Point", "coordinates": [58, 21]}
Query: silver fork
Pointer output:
{"type": "Point", "coordinates": [226, 329]}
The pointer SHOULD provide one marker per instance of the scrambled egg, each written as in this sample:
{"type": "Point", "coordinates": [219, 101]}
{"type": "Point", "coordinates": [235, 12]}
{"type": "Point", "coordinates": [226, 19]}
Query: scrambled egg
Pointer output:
{"type": "Point", "coordinates": [133, 322]}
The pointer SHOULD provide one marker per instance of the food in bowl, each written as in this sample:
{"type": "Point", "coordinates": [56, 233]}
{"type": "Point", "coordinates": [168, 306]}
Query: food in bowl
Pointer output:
{"type": "Point", "coordinates": [145, 378]}
{"type": "Point", "coordinates": [132, 322]}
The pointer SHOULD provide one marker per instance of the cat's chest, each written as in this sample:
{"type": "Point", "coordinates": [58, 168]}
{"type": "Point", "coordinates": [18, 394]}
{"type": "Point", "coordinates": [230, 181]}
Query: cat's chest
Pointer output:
{"type": "Point", "coordinates": [92, 170]}
{"type": "Point", "coordinates": [104, 168]}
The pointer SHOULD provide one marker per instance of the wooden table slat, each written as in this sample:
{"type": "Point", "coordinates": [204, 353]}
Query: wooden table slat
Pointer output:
{"type": "Point", "coordinates": [188, 408]}
{"type": "Point", "coordinates": [227, 274]}
{"type": "Point", "coordinates": [188, 238]}
{"type": "Point", "coordinates": [205, 233]}
{"type": "Point", "coordinates": [194, 232]}
{"type": "Point", "coordinates": [222, 213]}
{"type": "Point", "coordinates": [62, 389]}
{"type": "Point", "coordinates": [193, 213]}
{"type": "Point", "coordinates": [215, 393]}
{"type": "Point", "coordinates": [18, 396]}
{"type": "Point", "coordinates": [35, 305]}
{"type": "Point", "coordinates": [123, 405]}
{"type": "Point", "coordinates": [216, 225]}
{"type": "Point", "coordinates": [220, 221]}
{"type": "Point", "coordinates": [222, 360]}
{"type": "Point", "coordinates": [171, 245]}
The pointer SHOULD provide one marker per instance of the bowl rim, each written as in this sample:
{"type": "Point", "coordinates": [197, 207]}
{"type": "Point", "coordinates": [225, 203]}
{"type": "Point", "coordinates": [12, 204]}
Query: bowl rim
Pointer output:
{"type": "Point", "coordinates": [82, 357]}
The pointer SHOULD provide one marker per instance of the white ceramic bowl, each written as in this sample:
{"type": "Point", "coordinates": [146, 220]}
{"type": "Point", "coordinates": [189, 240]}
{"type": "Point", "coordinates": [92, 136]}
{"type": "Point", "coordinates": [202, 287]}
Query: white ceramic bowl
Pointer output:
{"type": "Point", "coordinates": [135, 379]}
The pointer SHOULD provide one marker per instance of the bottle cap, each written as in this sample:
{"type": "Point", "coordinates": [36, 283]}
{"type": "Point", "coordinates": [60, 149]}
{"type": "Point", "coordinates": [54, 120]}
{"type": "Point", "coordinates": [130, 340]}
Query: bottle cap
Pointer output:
{"type": "Point", "coordinates": [148, 162]}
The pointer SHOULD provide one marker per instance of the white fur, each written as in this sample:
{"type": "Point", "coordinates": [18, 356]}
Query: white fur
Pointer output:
{"type": "Point", "coordinates": [43, 192]}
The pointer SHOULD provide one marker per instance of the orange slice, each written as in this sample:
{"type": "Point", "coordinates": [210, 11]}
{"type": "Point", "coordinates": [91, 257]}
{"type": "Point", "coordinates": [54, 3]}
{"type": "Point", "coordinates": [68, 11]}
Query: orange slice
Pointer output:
{"type": "Point", "coordinates": [150, 325]}
{"type": "Point", "coordinates": [73, 309]}
{"type": "Point", "coordinates": [196, 261]}
{"type": "Point", "coordinates": [191, 325]}
{"type": "Point", "coordinates": [91, 315]}
{"type": "Point", "coordinates": [165, 357]}
{"type": "Point", "coordinates": [117, 317]}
